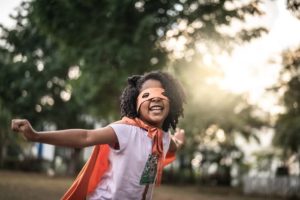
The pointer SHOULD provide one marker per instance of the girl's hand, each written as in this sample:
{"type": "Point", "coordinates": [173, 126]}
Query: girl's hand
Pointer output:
{"type": "Point", "coordinates": [177, 140]}
{"type": "Point", "coordinates": [179, 137]}
{"type": "Point", "coordinates": [23, 126]}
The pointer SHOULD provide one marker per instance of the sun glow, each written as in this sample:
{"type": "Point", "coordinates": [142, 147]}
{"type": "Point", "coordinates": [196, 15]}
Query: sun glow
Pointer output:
{"type": "Point", "coordinates": [251, 74]}
{"type": "Point", "coordinates": [255, 66]}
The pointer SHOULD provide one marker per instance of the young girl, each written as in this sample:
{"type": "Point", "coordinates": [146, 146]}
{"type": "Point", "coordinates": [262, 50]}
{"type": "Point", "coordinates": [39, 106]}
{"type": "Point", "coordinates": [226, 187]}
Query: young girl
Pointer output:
{"type": "Point", "coordinates": [129, 154]}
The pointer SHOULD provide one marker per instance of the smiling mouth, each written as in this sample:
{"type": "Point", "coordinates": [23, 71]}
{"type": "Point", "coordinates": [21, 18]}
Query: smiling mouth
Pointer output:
{"type": "Point", "coordinates": [156, 108]}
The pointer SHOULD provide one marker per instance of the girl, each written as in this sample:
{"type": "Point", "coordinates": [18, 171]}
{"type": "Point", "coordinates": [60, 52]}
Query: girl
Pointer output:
{"type": "Point", "coordinates": [129, 154]}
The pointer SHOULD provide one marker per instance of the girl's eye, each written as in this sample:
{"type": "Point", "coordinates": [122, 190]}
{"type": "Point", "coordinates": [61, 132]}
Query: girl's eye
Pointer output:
{"type": "Point", "coordinates": [146, 95]}
{"type": "Point", "coordinates": [164, 93]}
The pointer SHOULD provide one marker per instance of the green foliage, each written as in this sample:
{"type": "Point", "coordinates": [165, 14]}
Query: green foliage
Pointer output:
{"type": "Point", "coordinates": [33, 77]}
{"type": "Point", "coordinates": [294, 6]}
{"type": "Point", "coordinates": [109, 40]}
{"type": "Point", "coordinates": [6, 138]}
{"type": "Point", "coordinates": [287, 126]}
{"type": "Point", "coordinates": [209, 106]}
{"type": "Point", "coordinates": [213, 119]}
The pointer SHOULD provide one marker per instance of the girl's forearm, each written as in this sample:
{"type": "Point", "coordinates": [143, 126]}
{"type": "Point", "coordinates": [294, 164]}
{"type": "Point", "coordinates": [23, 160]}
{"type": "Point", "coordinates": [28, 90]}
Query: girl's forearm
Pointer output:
{"type": "Point", "coordinates": [76, 138]}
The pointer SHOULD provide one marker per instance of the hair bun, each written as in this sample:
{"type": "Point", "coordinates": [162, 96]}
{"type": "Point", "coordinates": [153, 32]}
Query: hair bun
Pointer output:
{"type": "Point", "coordinates": [132, 80]}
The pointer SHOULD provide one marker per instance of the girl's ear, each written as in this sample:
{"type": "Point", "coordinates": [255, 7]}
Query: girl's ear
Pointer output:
{"type": "Point", "coordinates": [132, 80]}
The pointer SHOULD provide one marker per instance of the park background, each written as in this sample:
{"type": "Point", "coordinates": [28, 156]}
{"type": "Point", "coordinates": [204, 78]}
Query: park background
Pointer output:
{"type": "Point", "coordinates": [63, 64]}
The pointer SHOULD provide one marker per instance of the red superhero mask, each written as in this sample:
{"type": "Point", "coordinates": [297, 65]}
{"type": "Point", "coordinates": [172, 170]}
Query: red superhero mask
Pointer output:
{"type": "Point", "coordinates": [149, 94]}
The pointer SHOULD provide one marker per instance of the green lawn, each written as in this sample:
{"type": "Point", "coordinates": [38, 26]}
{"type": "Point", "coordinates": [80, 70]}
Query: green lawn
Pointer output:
{"type": "Point", "coordinates": [27, 186]}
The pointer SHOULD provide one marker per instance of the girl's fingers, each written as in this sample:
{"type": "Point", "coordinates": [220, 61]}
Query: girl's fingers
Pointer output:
{"type": "Point", "coordinates": [179, 130]}
{"type": "Point", "coordinates": [18, 124]}
{"type": "Point", "coordinates": [14, 125]}
{"type": "Point", "coordinates": [180, 135]}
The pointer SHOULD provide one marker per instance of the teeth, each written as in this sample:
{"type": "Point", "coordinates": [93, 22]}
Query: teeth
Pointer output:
{"type": "Point", "coordinates": [156, 108]}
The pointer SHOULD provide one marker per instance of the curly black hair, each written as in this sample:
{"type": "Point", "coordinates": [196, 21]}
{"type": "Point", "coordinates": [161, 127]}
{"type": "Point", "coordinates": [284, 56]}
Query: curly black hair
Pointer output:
{"type": "Point", "coordinates": [174, 91]}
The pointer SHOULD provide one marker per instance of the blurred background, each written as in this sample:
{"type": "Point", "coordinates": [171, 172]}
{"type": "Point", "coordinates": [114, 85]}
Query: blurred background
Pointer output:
{"type": "Point", "coordinates": [63, 64]}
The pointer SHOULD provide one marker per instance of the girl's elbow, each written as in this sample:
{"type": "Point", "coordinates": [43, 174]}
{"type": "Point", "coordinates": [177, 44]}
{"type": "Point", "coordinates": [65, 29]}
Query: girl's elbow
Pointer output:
{"type": "Point", "coordinates": [88, 140]}
{"type": "Point", "coordinates": [83, 141]}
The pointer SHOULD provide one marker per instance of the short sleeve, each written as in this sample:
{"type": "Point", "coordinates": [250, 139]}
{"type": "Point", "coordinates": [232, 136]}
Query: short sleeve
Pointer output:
{"type": "Point", "coordinates": [123, 133]}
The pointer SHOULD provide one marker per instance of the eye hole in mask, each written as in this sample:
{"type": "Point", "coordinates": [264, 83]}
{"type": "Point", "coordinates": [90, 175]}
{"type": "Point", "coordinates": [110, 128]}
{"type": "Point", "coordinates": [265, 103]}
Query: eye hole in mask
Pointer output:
{"type": "Point", "coordinates": [149, 94]}
{"type": "Point", "coordinates": [145, 95]}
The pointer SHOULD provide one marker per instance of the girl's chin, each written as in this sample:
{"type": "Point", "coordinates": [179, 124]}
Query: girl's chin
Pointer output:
{"type": "Point", "coordinates": [156, 121]}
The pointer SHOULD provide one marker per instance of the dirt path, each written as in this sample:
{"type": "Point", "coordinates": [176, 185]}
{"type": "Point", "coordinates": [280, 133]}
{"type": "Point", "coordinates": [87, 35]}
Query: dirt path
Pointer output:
{"type": "Point", "coordinates": [27, 186]}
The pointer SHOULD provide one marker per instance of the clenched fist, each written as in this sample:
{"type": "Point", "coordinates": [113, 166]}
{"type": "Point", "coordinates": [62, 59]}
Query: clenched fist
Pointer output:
{"type": "Point", "coordinates": [23, 126]}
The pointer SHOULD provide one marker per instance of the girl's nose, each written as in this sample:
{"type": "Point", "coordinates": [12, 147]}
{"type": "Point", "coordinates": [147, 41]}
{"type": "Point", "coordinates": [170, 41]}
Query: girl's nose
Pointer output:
{"type": "Point", "coordinates": [156, 99]}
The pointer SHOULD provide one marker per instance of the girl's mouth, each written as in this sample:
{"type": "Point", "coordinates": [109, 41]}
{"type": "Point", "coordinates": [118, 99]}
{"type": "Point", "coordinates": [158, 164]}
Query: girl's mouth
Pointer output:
{"type": "Point", "coordinates": [156, 108]}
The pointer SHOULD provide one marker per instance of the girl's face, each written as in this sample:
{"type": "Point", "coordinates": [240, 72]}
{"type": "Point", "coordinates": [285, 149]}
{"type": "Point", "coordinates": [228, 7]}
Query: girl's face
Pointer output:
{"type": "Point", "coordinates": [154, 111]}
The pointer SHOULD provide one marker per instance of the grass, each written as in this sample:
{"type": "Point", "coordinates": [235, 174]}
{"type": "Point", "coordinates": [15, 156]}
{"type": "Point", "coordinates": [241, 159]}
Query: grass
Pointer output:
{"type": "Point", "coordinates": [24, 186]}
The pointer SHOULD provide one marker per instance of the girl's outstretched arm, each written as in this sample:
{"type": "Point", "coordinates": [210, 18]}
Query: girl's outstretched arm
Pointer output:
{"type": "Point", "coordinates": [177, 140]}
{"type": "Point", "coordinates": [76, 138]}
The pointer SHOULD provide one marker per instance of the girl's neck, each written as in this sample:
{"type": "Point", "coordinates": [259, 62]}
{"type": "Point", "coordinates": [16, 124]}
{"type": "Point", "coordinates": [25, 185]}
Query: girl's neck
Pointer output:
{"type": "Point", "coordinates": [150, 124]}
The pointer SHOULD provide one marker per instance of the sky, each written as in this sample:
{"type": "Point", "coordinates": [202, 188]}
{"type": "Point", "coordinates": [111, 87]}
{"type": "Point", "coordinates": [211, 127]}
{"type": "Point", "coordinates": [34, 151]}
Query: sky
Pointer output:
{"type": "Point", "coordinates": [7, 7]}
{"type": "Point", "coordinates": [257, 74]}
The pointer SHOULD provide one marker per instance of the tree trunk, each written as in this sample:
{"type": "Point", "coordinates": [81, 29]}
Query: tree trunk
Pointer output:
{"type": "Point", "coordinates": [74, 165]}
{"type": "Point", "coordinates": [299, 160]}
{"type": "Point", "coordinates": [2, 150]}
{"type": "Point", "coordinates": [1, 155]}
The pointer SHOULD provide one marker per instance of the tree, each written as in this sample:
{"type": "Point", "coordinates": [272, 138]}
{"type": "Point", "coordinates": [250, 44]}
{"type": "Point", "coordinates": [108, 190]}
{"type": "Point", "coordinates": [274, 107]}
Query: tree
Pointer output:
{"type": "Point", "coordinates": [6, 139]}
{"type": "Point", "coordinates": [105, 41]}
{"type": "Point", "coordinates": [111, 39]}
{"type": "Point", "coordinates": [287, 126]}
{"type": "Point", "coordinates": [294, 7]}
{"type": "Point", "coordinates": [214, 118]}
{"type": "Point", "coordinates": [34, 78]}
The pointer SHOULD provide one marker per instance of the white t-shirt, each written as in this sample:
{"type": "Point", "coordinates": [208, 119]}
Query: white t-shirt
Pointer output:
{"type": "Point", "coordinates": [122, 180]}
